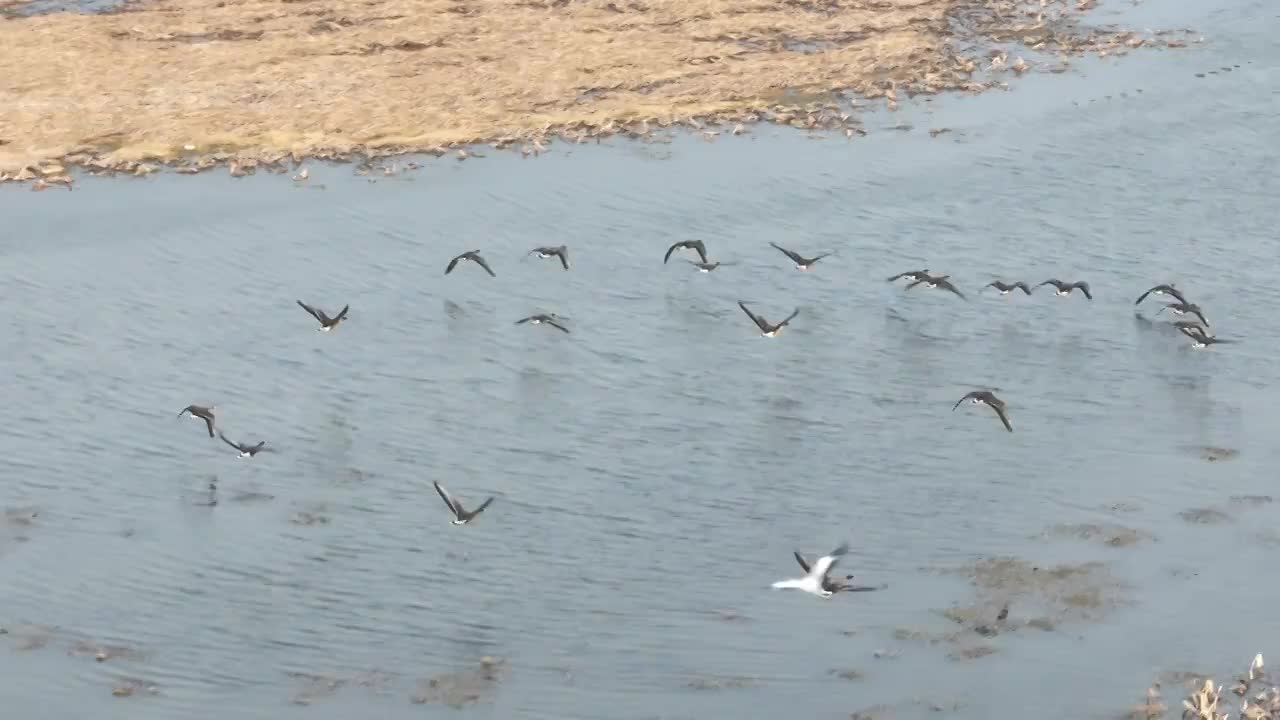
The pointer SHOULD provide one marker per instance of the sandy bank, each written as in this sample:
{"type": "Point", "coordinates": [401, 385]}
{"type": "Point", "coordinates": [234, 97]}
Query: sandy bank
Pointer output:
{"type": "Point", "coordinates": [196, 83]}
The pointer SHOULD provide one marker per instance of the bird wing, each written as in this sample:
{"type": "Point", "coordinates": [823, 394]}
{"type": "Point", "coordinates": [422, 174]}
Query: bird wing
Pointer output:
{"type": "Point", "coordinates": [795, 257]}
{"type": "Point", "coordinates": [475, 258]}
{"type": "Point", "coordinates": [557, 325]}
{"type": "Point", "coordinates": [1176, 293]}
{"type": "Point", "coordinates": [673, 248]}
{"type": "Point", "coordinates": [700, 248]}
{"type": "Point", "coordinates": [317, 314]}
{"type": "Point", "coordinates": [999, 408]}
{"type": "Point", "coordinates": [946, 284]}
{"type": "Point", "coordinates": [1049, 282]}
{"type": "Point", "coordinates": [234, 445]}
{"type": "Point", "coordinates": [824, 563]}
{"type": "Point", "coordinates": [1200, 315]}
{"type": "Point", "coordinates": [483, 505]}
{"type": "Point", "coordinates": [342, 315]}
{"type": "Point", "coordinates": [914, 283]}
{"type": "Point", "coordinates": [522, 321]}
{"type": "Point", "coordinates": [790, 317]}
{"type": "Point", "coordinates": [563, 252]}
{"type": "Point", "coordinates": [208, 421]}
{"type": "Point", "coordinates": [759, 321]}
{"type": "Point", "coordinates": [996, 284]}
{"type": "Point", "coordinates": [1084, 288]}
{"type": "Point", "coordinates": [899, 276]}
{"type": "Point", "coordinates": [448, 500]}
{"type": "Point", "coordinates": [186, 409]}
{"type": "Point", "coordinates": [453, 264]}
{"type": "Point", "coordinates": [1144, 295]}
{"type": "Point", "coordinates": [1024, 287]}
{"type": "Point", "coordinates": [800, 559]}
{"type": "Point", "coordinates": [966, 397]}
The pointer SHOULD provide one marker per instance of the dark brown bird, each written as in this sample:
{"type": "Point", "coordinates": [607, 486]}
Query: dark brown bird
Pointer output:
{"type": "Point", "coordinates": [473, 256]}
{"type": "Point", "coordinates": [245, 450]}
{"type": "Point", "coordinates": [1199, 339]}
{"type": "Point", "coordinates": [1184, 308]}
{"type": "Point", "coordinates": [1064, 289]}
{"type": "Point", "coordinates": [326, 323]}
{"type": "Point", "coordinates": [1006, 289]}
{"type": "Point", "coordinates": [1191, 326]}
{"type": "Point", "coordinates": [940, 281]}
{"type": "Point", "coordinates": [694, 245]}
{"type": "Point", "coordinates": [802, 263]}
{"type": "Point", "coordinates": [540, 319]}
{"type": "Point", "coordinates": [560, 251]}
{"type": "Point", "coordinates": [986, 397]}
{"type": "Point", "coordinates": [1167, 290]}
{"type": "Point", "coordinates": [912, 274]}
{"type": "Point", "coordinates": [201, 413]}
{"type": "Point", "coordinates": [767, 329]}
{"type": "Point", "coordinates": [460, 515]}
{"type": "Point", "coordinates": [708, 267]}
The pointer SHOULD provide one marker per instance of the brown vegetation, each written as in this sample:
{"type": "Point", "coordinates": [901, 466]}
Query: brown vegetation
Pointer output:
{"type": "Point", "coordinates": [196, 83]}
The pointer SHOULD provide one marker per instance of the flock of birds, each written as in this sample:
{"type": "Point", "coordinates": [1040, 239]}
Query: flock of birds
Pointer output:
{"type": "Point", "coordinates": [817, 579]}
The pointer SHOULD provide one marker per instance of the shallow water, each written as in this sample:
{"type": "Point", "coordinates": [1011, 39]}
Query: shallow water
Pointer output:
{"type": "Point", "coordinates": [663, 442]}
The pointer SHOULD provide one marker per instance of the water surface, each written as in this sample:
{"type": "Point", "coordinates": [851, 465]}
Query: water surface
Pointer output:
{"type": "Point", "coordinates": [655, 468]}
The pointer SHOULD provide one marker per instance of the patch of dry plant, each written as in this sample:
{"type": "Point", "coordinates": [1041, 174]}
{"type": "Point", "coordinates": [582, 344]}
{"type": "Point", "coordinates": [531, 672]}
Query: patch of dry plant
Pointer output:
{"type": "Point", "coordinates": [202, 82]}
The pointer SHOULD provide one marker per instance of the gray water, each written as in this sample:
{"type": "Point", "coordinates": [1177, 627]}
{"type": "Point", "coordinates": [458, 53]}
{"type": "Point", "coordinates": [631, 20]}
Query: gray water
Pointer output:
{"type": "Point", "coordinates": [655, 468]}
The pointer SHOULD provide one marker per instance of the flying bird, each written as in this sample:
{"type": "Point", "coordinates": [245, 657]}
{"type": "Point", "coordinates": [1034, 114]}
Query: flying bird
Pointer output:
{"type": "Point", "coordinates": [561, 252]}
{"type": "Point", "coordinates": [326, 323]}
{"type": "Point", "coordinates": [707, 267]}
{"type": "Point", "coordinates": [1199, 339]}
{"type": "Point", "coordinates": [1166, 290]}
{"type": "Point", "coordinates": [1005, 289]}
{"type": "Point", "coordinates": [1182, 308]}
{"type": "Point", "coordinates": [802, 263]}
{"type": "Point", "coordinates": [694, 245]}
{"type": "Point", "coordinates": [201, 413]}
{"type": "Point", "coordinates": [912, 274]}
{"type": "Point", "coordinates": [834, 585]}
{"type": "Point", "coordinates": [815, 579]}
{"type": "Point", "coordinates": [1064, 289]}
{"type": "Point", "coordinates": [1192, 326]}
{"type": "Point", "coordinates": [541, 318]}
{"type": "Point", "coordinates": [245, 450]}
{"type": "Point", "coordinates": [473, 256]}
{"type": "Point", "coordinates": [460, 515]}
{"type": "Point", "coordinates": [940, 281]}
{"type": "Point", "coordinates": [986, 397]}
{"type": "Point", "coordinates": [767, 329]}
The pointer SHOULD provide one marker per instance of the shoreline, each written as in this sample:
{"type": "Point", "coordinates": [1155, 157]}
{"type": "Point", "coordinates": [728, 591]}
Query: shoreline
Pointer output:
{"type": "Point", "coordinates": [205, 92]}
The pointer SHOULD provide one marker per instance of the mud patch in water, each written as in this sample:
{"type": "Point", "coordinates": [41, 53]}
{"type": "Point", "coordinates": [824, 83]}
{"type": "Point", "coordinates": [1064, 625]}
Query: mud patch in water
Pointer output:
{"type": "Point", "coordinates": [1215, 454]}
{"type": "Point", "coordinates": [1085, 591]}
{"type": "Point", "coordinates": [309, 687]}
{"type": "Point", "coordinates": [462, 688]}
{"type": "Point", "coordinates": [711, 682]}
{"type": "Point", "coordinates": [1108, 534]}
{"type": "Point", "coordinates": [1206, 516]}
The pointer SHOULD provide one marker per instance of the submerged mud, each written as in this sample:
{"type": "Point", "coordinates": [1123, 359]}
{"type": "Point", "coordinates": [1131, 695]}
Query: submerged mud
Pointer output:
{"type": "Point", "coordinates": [259, 83]}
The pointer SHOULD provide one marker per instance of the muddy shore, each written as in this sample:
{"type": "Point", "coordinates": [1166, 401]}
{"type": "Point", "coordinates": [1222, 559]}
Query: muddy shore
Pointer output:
{"type": "Point", "coordinates": [260, 83]}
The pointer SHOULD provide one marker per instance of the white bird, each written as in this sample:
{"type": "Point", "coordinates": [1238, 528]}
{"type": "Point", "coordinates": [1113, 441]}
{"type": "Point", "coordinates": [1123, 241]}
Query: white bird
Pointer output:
{"type": "Point", "coordinates": [815, 581]}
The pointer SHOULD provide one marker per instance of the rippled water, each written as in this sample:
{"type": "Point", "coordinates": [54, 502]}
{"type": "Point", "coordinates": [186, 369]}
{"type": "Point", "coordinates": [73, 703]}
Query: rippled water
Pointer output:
{"type": "Point", "coordinates": [655, 468]}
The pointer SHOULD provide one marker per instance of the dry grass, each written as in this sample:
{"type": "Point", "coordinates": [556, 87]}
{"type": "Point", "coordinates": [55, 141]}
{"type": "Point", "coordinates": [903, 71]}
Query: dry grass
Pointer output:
{"type": "Point", "coordinates": [198, 82]}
